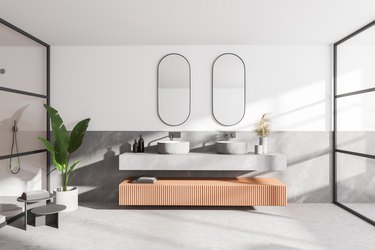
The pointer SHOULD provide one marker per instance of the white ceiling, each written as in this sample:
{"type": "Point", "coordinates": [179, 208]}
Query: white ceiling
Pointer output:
{"type": "Point", "coordinates": [188, 22]}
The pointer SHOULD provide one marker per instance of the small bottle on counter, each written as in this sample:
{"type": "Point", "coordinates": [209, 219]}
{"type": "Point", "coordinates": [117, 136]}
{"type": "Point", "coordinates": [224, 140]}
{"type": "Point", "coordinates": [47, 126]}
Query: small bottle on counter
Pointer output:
{"type": "Point", "coordinates": [141, 144]}
{"type": "Point", "coordinates": [135, 146]}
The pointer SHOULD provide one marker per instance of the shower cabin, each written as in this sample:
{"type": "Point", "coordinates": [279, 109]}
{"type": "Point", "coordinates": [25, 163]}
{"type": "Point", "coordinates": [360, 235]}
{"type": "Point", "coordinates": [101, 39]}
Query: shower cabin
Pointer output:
{"type": "Point", "coordinates": [354, 123]}
{"type": "Point", "coordinates": [24, 88]}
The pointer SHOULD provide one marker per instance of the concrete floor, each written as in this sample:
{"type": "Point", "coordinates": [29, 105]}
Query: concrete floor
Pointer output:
{"type": "Point", "coordinates": [297, 226]}
{"type": "Point", "coordinates": [366, 209]}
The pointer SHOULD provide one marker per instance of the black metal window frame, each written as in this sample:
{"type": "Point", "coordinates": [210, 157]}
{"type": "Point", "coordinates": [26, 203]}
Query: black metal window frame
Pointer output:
{"type": "Point", "coordinates": [335, 97]}
{"type": "Point", "coordinates": [21, 92]}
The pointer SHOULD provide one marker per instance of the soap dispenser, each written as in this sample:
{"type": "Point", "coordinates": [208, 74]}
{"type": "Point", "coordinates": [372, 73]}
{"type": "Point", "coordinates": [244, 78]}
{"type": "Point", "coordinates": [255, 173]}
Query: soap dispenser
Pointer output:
{"type": "Point", "coordinates": [141, 144]}
{"type": "Point", "coordinates": [135, 146]}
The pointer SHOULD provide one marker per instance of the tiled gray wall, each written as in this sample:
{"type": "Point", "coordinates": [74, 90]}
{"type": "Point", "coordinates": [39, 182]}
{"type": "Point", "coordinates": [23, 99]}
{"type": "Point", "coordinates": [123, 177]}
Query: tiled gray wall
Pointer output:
{"type": "Point", "coordinates": [308, 175]}
{"type": "Point", "coordinates": [355, 174]}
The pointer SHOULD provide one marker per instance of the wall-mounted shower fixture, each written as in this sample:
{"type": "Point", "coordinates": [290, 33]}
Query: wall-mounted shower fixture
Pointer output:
{"type": "Point", "coordinates": [2, 71]}
{"type": "Point", "coordinates": [17, 168]}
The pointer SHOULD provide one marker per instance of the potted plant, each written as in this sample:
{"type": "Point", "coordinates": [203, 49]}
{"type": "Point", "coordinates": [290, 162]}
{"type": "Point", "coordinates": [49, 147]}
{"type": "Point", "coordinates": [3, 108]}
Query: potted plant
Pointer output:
{"type": "Point", "coordinates": [61, 149]}
{"type": "Point", "coordinates": [263, 129]}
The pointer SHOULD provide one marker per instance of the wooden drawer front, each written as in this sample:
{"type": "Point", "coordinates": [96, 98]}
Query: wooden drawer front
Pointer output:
{"type": "Point", "coordinates": [202, 195]}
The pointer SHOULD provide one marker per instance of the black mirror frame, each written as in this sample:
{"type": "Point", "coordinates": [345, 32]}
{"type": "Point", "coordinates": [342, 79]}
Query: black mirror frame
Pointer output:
{"type": "Point", "coordinates": [157, 92]}
{"type": "Point", "coordinates": [212, 89]}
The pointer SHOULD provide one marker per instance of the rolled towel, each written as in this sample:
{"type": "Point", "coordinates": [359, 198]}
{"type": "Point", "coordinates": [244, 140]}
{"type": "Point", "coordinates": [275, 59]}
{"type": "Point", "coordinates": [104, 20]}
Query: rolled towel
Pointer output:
{"type": "Point", "coordinates": [38, 194]}
{"type": "Point", "coordinates": [145, 179]}
{"type": "Point", "coordinates": [2, 218]}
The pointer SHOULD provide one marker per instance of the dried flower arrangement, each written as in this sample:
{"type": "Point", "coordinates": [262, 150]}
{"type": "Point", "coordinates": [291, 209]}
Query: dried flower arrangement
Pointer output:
{"type": "Point", "coordinates": [263, 126]}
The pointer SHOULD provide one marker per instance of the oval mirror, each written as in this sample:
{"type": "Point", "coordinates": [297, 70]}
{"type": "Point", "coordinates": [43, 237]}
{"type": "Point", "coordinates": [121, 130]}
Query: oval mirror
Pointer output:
{"type": "Point", "coordinates": [174, 89]}
{"type": "Point", "coordinates": [228, 89]}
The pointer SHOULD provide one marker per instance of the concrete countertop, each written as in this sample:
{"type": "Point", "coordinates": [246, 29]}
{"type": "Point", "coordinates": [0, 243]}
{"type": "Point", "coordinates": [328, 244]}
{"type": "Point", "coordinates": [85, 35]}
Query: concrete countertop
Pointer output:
{"type": "Point", "coordinates": [202, 162]}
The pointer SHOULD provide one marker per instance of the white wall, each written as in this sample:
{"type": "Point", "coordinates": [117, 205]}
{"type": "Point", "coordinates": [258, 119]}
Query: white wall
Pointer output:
{"type": "Point", "coordinates": [116, 86]}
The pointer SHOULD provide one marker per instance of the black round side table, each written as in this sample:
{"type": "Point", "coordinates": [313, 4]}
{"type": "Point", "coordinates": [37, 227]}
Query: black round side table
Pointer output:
{"type": "Point", "coordinates": [32, 203]}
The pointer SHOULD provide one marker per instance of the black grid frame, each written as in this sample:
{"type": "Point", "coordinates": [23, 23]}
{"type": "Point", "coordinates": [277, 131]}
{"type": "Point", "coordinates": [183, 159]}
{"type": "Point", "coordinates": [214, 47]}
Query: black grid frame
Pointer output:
{"type": "Point", "coordinates": [46, 97]}
{"type": "Point", "coordinates": [335, 97]}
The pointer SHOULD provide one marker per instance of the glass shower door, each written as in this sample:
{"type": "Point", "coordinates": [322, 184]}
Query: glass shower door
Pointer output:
{"type": "Point", "coordinates": [23, 91]}
{"type": "Point", "coordinates": [354, 123]}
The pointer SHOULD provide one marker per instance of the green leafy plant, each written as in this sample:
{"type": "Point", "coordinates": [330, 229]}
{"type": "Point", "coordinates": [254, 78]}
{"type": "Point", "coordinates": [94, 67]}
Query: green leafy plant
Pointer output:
{"type": "Point", "coordinates": [263, 126]}
{"type": "Point", "coordinates": [64, 144]}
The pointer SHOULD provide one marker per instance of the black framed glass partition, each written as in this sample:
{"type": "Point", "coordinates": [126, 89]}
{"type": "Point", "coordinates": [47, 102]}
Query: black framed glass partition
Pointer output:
{"type": "Point", "coordinates": [354, 123]}
{"type": "Point", "coordinates": [24, 88]}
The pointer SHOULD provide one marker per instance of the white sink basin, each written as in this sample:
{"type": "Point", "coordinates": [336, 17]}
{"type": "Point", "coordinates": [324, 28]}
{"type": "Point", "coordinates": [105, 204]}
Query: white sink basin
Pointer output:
{"type": "Point", "coordinates": [174, 147]}
{"type": "Point", "coordinates": [232, 147]}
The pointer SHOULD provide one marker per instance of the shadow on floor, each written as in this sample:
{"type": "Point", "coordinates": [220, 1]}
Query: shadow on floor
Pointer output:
{"type": "Point", "coordinates": [17, 221]}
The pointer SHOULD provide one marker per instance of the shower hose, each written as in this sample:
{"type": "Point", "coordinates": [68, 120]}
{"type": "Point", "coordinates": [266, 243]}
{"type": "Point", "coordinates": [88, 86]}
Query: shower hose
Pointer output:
{"type": "Point", "coordinates": [14, 170]}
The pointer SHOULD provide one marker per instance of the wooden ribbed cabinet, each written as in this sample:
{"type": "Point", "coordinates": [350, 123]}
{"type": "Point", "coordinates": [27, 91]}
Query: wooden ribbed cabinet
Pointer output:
{"type": "Point", "coordinates": [204, 192]}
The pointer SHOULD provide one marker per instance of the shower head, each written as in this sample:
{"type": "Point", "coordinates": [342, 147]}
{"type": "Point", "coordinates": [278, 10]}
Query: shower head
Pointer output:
{"type": "Point", "coordinates": [2, 71]}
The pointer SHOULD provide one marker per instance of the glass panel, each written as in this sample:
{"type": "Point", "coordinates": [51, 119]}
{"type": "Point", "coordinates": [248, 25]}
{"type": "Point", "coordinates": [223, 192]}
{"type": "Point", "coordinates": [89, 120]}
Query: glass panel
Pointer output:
{"type": "Point", "coordinates": [31, 120]}
{"type": "Point", "coordinates": [22, 62]}
{"type": "Point", "coordinates": [32, 175]}
{"type": "Point", "coordinates": [355, 62]}
{"type": "Point", "coordinates": [356, 123]}
{"type": "Point", "coordinates": [356, 183]}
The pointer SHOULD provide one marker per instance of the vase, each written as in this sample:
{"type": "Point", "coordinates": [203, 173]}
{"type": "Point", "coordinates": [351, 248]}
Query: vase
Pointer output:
{"type": "Point", "coordinates": [258, 149]}
{"type": "Point", "coordinates": [67, 198]}
{"type": "Point", "coordinates": [264, 142]}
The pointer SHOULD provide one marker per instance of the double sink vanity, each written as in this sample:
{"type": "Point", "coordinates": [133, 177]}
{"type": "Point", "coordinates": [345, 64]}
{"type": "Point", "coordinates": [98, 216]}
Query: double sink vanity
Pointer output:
{"type": "Point", "coordinates": [229, 155]}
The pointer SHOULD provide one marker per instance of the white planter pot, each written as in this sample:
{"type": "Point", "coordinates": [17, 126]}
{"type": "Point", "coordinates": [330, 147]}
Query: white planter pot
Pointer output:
{"type": "Point", "coordinates": [264, 142]}
{"type": "Point", "coordinates": [67, 198]}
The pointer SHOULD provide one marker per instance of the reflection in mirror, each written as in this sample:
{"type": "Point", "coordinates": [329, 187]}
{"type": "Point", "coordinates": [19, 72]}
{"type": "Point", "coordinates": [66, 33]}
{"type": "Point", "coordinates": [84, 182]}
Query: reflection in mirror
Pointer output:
{"type": "Point", "coordinates": [174, 89]}
{"type": "Point", "coordinates": [228, 89]}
